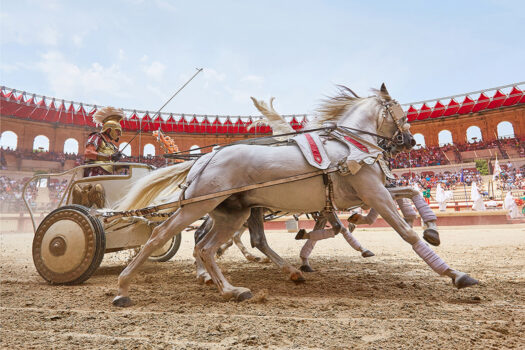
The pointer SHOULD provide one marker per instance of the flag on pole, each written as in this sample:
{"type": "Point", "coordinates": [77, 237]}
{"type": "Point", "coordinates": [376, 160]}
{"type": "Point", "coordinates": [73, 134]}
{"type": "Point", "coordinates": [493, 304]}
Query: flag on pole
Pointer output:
{"type": "Point", "coordinates": [497, 169]}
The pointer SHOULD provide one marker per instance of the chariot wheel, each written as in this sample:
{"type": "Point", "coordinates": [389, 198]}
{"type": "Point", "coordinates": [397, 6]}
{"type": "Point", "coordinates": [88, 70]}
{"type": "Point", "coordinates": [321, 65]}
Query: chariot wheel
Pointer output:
{"type": "Point", "coordinates": [69, 245]}
{"type": "Point", "coordinates": [168, 250]}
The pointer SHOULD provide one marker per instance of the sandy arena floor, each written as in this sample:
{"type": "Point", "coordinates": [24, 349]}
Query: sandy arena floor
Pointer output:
{"type": "Point", "coordinates": [392, 300]}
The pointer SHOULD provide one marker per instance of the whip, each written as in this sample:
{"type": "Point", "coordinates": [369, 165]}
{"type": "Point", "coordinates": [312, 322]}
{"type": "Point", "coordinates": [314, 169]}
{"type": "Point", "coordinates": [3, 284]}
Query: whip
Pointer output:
{"type": "Point", "coordinates": [164, 105]}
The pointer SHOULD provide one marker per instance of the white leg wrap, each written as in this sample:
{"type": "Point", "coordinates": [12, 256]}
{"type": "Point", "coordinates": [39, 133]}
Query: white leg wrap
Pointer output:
{"type": "Point", "coordinates": [307, 249]}
{"type": "Point", "coordinates": [430, 257]}
{"type": "Point", "coordinates": [317, 235]}
{"type": "Point", "coordinates": [351, 240]}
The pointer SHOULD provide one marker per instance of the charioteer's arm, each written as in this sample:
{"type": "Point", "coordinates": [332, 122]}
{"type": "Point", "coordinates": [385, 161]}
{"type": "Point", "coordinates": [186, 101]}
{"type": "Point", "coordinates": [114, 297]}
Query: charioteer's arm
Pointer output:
{"type": "Point", "coordinates": [91, 153]}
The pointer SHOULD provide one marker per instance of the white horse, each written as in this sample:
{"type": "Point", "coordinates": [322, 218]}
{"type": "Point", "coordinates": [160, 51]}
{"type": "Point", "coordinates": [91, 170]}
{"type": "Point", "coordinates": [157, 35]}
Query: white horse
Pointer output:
{"type": "Point", "coordinates": [370, 118]}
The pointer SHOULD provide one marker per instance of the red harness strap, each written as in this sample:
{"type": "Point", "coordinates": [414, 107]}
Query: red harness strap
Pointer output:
{"type": "Point", "coordinates": [315, 151]}
{"type": "Point", "coordinates": [357, 144]}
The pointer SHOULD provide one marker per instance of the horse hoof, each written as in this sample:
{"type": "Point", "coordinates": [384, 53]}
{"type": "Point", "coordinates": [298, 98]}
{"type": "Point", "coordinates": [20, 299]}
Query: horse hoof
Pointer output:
{"type": "Point", "coordinates": [298, 279]}
{"type": "Point", "coordinates": [300, 234]}
{"type": "Point", "coordinates": [122, 301]}
{"type": "Point", "coordinates": [367, 254]}
{"type": "Point", "coordinates": [244, 296]}
{"type": "Point", "coordinates": [257, 259]}
{"type": "Point", "coordinates": [431, 236]}
{"type": "Point", "coordinates": [464, 281]}
{"type": "Point", "coordinates": [306, 268]}
{"type": "Point", "coordinates": [208, 281]}
{"type": "Point", "coordinates": [354, 218]}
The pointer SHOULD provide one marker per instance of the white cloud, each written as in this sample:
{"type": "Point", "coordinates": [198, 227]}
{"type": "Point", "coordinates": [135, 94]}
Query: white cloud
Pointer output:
{"type": "Point", "coordinates": [70, 81]}
{"type": "Point", "coordinates": [78, 40]}
{"type": "Point", "coordinates": [27, 33]}
{"type": "Point", "coordinates": [8, 68]}
{"type": "Point", "coordinates": [211, 74]}
{"type": "Point", "coordinates": [165, 5]}
{"type": "Point", "coordinates": [255, 79]}
{"type": "Point", "coordinates": [155, 70]}
{"type": "Point", "coordinates": [48, 35]}
{"type": "Point", "coordinates": [238, 95]}
{"type": "Point", "coordinates": [163, 96]}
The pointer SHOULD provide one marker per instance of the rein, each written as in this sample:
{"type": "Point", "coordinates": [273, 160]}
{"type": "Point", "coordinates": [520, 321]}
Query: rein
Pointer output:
{"type": "Point", "coordinates": [108, 216]}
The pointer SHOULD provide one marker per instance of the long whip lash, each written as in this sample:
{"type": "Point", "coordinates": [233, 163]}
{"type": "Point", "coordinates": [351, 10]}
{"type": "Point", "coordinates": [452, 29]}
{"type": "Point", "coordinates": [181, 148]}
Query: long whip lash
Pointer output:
{"type": "Point", "coordinates": [164, 105]}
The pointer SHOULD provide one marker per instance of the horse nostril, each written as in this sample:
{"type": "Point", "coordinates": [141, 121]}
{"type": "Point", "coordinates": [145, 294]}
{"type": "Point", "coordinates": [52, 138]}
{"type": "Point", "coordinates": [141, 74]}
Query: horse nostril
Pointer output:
{"type": "Point", "coordinates": [413, 142]}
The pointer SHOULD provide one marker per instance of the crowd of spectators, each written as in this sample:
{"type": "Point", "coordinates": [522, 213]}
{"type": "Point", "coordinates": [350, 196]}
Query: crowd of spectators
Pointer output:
{"type": "Point", "coordinates": [11, 194]}
{"type": "Point", "coordinates": [426, 156]}
{"type": "Point", "coordinates": [419, 157]}
{"type": "Point", "coordinates": [474, 146]}
{"type": "Point", "coordinates": [41, 155]}
{"type": "Point", "coordinates": [448, 180]}
{"type": "Point", "coordinates": [429, 156]}
{"type": "Point", "coordinates": [511, 178]}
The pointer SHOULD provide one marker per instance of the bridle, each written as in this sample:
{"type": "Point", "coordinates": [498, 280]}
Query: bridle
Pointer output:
{"type": "Point", "coordinates": [391, 109]}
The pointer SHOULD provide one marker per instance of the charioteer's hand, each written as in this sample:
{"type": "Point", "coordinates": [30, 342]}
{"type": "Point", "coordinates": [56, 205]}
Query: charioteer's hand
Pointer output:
{"type": "Point", "coordinates": [115, 157]}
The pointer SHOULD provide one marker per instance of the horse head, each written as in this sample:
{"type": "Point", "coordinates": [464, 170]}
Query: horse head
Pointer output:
{"type": "Point", "coordinates": [393, 124]}
{"type": "Point", "coordinates": [379, 118]}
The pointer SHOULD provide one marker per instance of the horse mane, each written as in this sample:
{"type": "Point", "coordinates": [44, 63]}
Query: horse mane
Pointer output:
{"type": "Point", "coordinates": [332, 108]}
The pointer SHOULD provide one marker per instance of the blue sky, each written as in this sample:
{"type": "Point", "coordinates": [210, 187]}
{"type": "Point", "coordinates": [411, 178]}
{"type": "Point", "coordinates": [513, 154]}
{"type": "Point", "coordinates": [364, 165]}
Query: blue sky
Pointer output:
{"type": "Point", "coordinates": [135, 54]}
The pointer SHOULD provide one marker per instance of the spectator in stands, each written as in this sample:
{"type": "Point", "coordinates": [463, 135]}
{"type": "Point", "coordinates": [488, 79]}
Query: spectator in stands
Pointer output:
{"type": "Point", "coordinates": [427, 195]}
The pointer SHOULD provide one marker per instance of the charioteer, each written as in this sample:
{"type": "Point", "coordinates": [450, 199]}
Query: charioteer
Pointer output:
{"type": "Point", "coordinates": [99, 146]}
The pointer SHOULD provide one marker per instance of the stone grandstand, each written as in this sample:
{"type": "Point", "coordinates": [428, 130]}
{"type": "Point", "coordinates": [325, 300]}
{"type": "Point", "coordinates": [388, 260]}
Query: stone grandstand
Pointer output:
{"type": "Point", "coordinates": [49, 136]}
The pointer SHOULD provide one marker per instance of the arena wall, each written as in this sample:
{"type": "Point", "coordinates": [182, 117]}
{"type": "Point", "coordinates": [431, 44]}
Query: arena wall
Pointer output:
{"type": "Point", "coordinates": [487, 121]}
{"type": "Point", "coordinates": [27, 130]}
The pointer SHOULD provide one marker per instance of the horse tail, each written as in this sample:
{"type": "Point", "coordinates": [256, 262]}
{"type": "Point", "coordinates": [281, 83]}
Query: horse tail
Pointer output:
{"type": "Point", "coordinates": [159, 185]}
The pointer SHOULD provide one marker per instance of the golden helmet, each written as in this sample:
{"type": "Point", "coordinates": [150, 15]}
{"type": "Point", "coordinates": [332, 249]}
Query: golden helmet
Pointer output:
{"type": "Point", "coordinates": [109, 118]}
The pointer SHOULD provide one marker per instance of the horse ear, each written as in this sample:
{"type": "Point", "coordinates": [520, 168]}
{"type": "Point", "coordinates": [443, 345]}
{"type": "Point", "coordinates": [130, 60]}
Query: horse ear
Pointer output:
{"type": "Point", "coordinates": [384, 92]}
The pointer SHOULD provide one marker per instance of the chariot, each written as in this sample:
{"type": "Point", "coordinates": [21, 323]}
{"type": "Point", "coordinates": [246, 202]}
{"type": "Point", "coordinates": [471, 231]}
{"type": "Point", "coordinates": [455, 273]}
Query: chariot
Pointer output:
{"type": "Point", "coordinates": [70, 242]}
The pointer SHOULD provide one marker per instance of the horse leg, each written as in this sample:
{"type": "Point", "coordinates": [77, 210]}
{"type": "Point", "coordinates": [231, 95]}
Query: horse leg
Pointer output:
{"type": "Point", "coordinates": [354, 243]}
{"type": "Point", "coordinates": [322, 233]}
{"type": "Point", "coordinates": [306, 250]}
{"type": "Point", "coordinates": [430, 234]}
{"type": "Point", "coordinates": [258, 240]}
{"type": "Point", "coordinates": [358, 219]}
{"type": "Point", "coordinates": [203, 276]}
{"type": "Point", "coordinates": [222, 249]}
{"type": "Point", "coordinates": [159, 236]}
{"type": "Point", "coordinates": [237, 240]}
{"type": "Point", "coordinates": [381, 200]}
{"type": "Point", "coordinates": [225, 225]}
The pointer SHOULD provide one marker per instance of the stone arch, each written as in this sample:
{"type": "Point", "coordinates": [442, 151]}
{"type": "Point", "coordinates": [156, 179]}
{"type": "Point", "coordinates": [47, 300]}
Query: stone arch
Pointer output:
{"type": "Point", "coordinates": [474, 134]}
{"type": "Point", "coordinates": [71, 146]}
{"type": "Point", "coordinates": [149, 150]}
{"type": "Point", "coordinates": [127, 150]}
{"type": "Point", "coordinates": [9, 140]}
{"type": "Point", "coordinates": [505, 130]}
{"type": "Point", "coordinates": [194, 150]}
{"type": "Point", "coordinates": [41, 143]}
{"type": "Point", "coordinates": [445, 137]}
{"type": "Point", "coordinates": [420, 140]}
